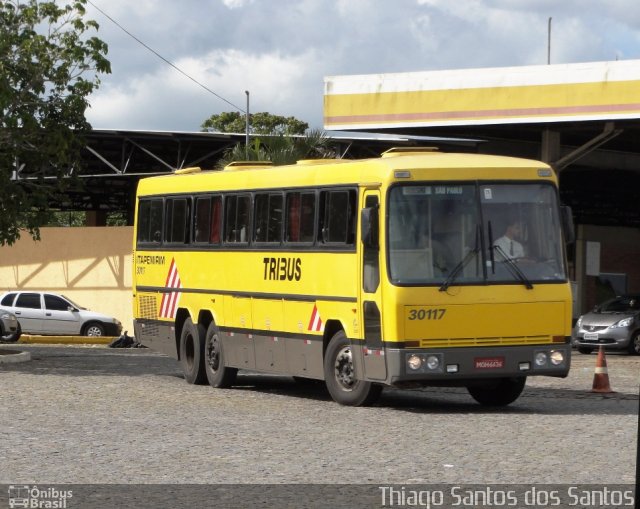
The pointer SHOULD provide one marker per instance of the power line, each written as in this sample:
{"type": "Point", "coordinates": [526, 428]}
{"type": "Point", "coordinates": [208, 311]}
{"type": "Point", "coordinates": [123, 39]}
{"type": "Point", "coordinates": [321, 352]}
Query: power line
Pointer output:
{"type": "Point", "coordinates": [162, 58]}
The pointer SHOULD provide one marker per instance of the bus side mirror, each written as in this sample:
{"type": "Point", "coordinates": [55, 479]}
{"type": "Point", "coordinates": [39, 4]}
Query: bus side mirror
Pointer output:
{"type": "Point", "coordinates": [567, 224]}
{"type": "Point", "coordinates": [369, 227]}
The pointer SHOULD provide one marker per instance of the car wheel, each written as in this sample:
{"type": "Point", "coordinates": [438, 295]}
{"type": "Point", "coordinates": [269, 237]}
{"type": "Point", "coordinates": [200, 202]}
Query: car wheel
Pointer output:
{"type": "Point", "coordinates": [218, 374]}
{"type": "Point", "coordinates": [499, 393]}
{"type": "Point", "coordinates": [634, 344]}
{"type": "Point", "coordinates": [585, 350]}
{"type": "Point", "coordinates": [94, 329]}
{"type": "Point", "coordinates": [192, 352]}
{"type": "Point", "coordinates": [10, 337]}
{"type": "Point", "coordinates": [340, 376]}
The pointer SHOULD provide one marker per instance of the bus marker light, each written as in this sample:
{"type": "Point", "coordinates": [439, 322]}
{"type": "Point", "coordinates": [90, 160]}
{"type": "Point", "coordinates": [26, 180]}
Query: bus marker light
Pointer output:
{"type": "Point", "coordinates": [402, 174]}
{"type": "Point", "coordinates": [452, 368]}
{"type": "Point", "coordinates": [524, 366]}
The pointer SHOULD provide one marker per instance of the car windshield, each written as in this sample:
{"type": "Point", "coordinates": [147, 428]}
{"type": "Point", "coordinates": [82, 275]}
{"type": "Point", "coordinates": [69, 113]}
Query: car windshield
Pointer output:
{"type": "Point", "coordinates": [77, 306]}
{"type": "Point", "coordinates": [453, 233]}
{"type": "Point", "coordinates": [620, 305]}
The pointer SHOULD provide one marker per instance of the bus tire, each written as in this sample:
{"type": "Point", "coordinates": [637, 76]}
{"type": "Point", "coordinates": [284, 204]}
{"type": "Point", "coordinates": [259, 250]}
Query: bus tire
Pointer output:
{"type": "Point", "coordinates": [339, 375]}
{"type": "Point", "coordinates": [192, 352]}
{"type": "Point", "coordinates": [217, 373]}
{"type": "Point", "coordinates": [498, 392]}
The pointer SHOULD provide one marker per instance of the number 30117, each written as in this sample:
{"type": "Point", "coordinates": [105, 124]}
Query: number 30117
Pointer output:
{"type": "Point", "coordinates": [427, 314]}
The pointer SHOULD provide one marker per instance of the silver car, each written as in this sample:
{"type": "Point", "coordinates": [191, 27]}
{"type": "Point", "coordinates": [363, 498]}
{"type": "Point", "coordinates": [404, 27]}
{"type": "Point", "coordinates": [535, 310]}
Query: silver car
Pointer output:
{"type": "Point", "coordinates": [614, 324]}
{"type": "Point", "coordinates": [53, 314]}
{"type": "Point", "coordinates": [9, 326]}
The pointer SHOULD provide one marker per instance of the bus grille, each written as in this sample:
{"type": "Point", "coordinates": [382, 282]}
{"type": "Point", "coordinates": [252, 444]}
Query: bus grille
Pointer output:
{"type": "Point", "coordinates": [148, 310]}
{"type": "Point", "coordinates": [148, 307]}
{"type": "Point", "coordinates": [493, 341]}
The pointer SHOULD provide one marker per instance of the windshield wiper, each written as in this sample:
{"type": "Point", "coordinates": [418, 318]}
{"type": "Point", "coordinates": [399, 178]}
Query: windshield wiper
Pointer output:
{"type": "Point", "coordinates": [513, 268]}
{"type": "Point", "coordinates": [462, 263]}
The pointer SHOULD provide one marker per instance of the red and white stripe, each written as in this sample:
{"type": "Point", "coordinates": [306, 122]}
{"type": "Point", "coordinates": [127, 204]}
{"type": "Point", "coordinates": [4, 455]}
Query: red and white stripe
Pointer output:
{"type": "Point", "coordinates": [315, 323]}
{"type": "Point", "coordinates": [169, 305]}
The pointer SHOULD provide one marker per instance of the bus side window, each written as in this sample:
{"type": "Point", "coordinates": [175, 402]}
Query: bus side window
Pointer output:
{"type": "Point", "coordinates": [300, 217]}
{"type": "Point", "coordinates": [337, 216]}
{"type": "Point", "coordinates": [150, 221]}
{"type": "Point", "coordinates": [216, 219]}
{"type": "Point", "coordinates": [207, 219]}
{"type": "Point", "coordinates": [268, 218]}
{"type": "Point", "coordinates": [237, 213]}
{"type": "Point", "coordinates": [176, 220]}
{"type": "Point", "coordinates": [202, 219]}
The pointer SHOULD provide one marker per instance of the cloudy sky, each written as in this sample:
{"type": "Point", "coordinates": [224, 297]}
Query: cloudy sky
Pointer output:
{"type": "Point", "coordinates": [281, 50]}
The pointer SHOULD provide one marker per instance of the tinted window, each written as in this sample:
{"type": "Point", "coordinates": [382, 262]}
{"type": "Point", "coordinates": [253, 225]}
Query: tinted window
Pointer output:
{"type": "Point", "coordinates": [28, 300]}
{"type": "Point", "coordinates": [177, 215]}
{"type": "Point", "coordinates": [55, 303]}
{"type": "Point", "coordinates": [300, 216]}
{"type": "Point", "coordinates": [7, 300]}
{"type": "Point", "coordinates": [268, 218]}
{"type": "Point", "coordinates": [150, 221]}
{"type": "Point", "coordinates": [237, 215]}
{"type": "Point", "coordinates": [337, 215]}
{"type": "Point", "coordinates": [207, 219]}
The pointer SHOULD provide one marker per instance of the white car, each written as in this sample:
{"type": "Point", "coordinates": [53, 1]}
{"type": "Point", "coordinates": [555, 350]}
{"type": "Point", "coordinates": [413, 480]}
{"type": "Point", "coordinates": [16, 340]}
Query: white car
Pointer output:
{"type": "Point", "coordinates": [54, 314]}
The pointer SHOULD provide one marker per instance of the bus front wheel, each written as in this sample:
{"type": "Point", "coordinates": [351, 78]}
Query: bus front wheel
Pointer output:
{"type": "Point", "coordinates": [340, 377]}
{"type": "Point", "coordinates": [192, 352]}
{"type": "Point", "coordinates": [218, 374]}
{"type": "Point", "coordinates": [498, 392]}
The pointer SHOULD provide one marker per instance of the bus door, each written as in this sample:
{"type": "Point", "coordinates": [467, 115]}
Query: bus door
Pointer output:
{"type": "Point", "coordinates": [374, 362]}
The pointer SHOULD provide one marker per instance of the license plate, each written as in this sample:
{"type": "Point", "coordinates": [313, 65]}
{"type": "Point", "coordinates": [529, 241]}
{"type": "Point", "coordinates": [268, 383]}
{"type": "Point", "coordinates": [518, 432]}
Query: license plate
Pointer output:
{"type": "Point", "coordinates": [591, 336]}
{"type": "Point", "coordinates": [488, 362]}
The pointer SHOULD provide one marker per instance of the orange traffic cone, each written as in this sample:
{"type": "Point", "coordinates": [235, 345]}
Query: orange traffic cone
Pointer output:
{"type": "Point", "coordinates": [601, 375]}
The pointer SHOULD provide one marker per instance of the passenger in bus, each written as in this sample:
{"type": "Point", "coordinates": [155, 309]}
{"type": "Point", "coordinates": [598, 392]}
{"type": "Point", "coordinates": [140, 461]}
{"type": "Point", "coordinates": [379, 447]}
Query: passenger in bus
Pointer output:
{"type": "Point", "coordinates": [508, 243]}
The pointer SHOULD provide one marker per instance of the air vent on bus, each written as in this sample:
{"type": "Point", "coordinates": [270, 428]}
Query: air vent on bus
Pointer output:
{"type": "Point", "coordinates": [185, 171]}
{"type": "Point", "coordinates": [245, 165]}
{"type": "Point", "coordinates": [403, 151]}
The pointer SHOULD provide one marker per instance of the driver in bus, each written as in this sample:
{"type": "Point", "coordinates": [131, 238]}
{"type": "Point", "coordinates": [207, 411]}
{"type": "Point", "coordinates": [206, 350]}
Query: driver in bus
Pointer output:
{"type": "Point", "coordinates": [508, 243]}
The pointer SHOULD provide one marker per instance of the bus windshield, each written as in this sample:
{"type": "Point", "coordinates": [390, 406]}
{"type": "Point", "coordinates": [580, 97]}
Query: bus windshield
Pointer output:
{"type": "Point", "coordinates": [474, 233]}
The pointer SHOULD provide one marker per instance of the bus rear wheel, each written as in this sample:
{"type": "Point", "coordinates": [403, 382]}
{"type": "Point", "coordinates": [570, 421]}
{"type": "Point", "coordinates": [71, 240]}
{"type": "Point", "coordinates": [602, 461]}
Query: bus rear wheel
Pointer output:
{"type": "Point", "coordinates": [192, 352]}
{"type": "Point", "coordinates": [498, 392]}
{"type": "Point", "coordinates": [340, 376]}
{"type": "Point", "coordinates": [218, 374]}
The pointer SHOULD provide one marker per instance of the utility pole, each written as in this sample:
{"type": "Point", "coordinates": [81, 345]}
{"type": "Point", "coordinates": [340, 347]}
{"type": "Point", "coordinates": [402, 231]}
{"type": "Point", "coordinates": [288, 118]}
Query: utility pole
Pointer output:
{"type": "Point", "coordinates": [246, 141]}
{"type": "Point", "coordinates": [549, 42]}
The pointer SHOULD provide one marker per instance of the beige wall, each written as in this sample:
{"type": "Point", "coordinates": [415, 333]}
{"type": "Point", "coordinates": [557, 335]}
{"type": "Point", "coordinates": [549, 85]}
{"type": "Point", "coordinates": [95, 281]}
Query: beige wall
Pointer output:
{"type": "Point", "coordinates": [91, 266]}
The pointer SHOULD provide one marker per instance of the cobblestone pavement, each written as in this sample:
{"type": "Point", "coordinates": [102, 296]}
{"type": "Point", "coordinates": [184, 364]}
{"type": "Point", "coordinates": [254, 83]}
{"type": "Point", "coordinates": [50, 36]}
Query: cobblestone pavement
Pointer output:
{"type": "Point", "coordinates": [99, 415]}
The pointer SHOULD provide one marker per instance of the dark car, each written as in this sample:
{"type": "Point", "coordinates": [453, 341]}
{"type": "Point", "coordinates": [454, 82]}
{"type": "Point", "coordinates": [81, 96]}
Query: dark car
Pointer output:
{"type": "Point", "coordinates": [614, 324]}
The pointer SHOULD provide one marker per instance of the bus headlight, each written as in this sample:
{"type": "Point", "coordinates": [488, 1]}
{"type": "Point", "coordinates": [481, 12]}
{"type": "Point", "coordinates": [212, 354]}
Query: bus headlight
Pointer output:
{"type": "Point", "coordinates": [433, 362]}
{"type": "Point", "coordinates": [541, 358]}
{"type": "Point", "coordinates": [414, 362]}
{"type": "Point", "coordinates": [556, 357]}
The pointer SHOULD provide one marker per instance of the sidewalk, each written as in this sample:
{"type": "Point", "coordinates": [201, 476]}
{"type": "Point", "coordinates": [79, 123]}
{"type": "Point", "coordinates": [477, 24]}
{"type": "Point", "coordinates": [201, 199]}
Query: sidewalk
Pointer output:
{"type": "Point", "coordinates": [65, 340]}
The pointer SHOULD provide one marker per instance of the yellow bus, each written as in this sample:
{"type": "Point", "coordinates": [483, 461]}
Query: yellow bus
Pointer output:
{"type": "Point", "coordinates": [416, 268]}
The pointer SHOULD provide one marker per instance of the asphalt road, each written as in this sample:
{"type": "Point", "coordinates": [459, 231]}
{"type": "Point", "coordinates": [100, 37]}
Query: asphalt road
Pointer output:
{"type": "Point", "coordinates": [98, 415]}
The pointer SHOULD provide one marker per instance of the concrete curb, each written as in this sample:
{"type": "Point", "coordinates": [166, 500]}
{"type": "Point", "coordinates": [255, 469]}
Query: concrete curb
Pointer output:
{"type": "Point", "coordinates": [14, 356]}
{"type": "Point", "coordinates": [66, 340]}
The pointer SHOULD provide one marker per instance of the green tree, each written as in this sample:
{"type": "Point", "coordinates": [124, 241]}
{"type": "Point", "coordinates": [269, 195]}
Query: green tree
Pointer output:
{"type": "Point", "coordinates": [259, 123]}
{"type": "Point", "coordinates": [49, 65]}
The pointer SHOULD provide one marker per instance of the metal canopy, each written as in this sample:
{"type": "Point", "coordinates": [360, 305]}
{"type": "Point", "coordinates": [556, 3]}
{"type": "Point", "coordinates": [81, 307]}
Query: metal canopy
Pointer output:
{"type": "Point", "coordinates": [114, 160]}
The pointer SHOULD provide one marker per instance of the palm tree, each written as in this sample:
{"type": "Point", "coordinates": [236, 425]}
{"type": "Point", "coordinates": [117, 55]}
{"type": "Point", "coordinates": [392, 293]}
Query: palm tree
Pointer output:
{"type": "Point", "coordinates": [281, 149]}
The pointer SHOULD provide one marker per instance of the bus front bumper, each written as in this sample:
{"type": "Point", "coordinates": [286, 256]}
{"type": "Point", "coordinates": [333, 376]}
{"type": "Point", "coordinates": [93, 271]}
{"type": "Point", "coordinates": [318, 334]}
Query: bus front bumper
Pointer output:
{"type": "Point", "coordinates": [449, 365]}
